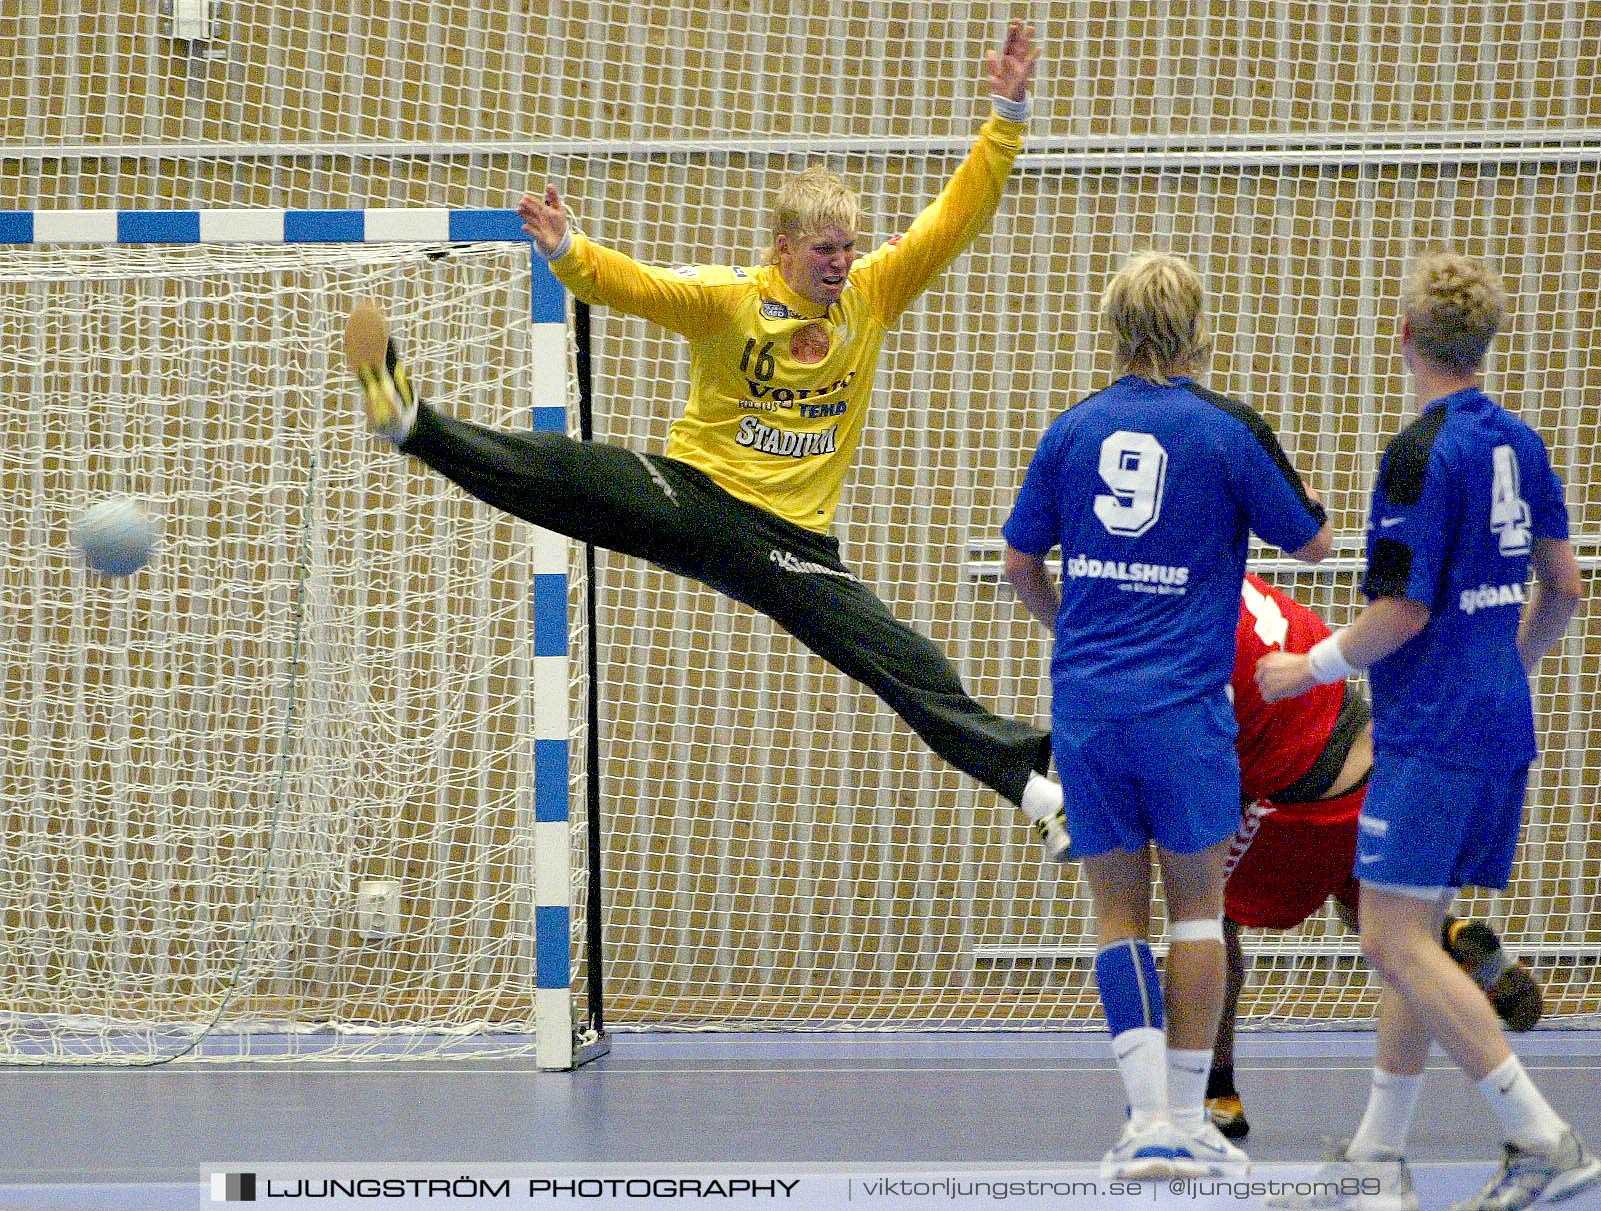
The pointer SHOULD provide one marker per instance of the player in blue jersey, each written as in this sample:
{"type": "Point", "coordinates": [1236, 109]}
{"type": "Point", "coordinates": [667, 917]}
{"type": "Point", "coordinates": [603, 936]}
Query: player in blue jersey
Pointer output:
{"type": "Point", "coordinates": [1151, 487]}
{"type": "Point", "coordinates": [1466, 503]}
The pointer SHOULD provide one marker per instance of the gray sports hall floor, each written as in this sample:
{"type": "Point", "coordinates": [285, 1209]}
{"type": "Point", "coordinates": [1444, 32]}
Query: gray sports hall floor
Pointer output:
{"type": "Point", "coordinates": [111, 1140]}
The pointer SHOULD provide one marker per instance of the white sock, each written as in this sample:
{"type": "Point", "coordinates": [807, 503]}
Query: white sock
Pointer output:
{"type": "Point", "coordinates": [1187, 1072]}
{"type": "Point", "coordinates": [1042, 798]}
{"type": "Point", "coordinates": [1141, 1056]}
{"type": "Point", "coordinates": [1525, 1116]}
{"type": "Point", "coordinates": [1392, 1100]}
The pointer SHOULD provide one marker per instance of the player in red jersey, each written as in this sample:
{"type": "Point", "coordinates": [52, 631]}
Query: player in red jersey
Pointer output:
{"type": "Point", "coordinates": [1304, 766]}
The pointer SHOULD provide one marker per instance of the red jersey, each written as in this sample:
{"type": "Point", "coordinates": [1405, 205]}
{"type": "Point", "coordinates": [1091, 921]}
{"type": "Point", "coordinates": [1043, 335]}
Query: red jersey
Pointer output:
{"type": "Point", "coordinates": [1277, 743]}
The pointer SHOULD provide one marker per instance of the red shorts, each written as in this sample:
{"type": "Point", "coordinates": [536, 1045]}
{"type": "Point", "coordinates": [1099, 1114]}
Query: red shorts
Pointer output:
{"type": "Point", "coordinates": [1299, 856]}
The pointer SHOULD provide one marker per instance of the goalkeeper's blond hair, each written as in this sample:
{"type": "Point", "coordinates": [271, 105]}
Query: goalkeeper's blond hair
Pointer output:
{"type": "Point", "coordinates": [1154, 308]}
{"type": "Point", "coordinates": [1453, 305]}
{"type": "Point", "coordinates": [810, 201]}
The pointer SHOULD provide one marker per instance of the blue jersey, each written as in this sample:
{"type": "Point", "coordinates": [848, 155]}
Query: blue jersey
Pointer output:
{"type": "Point", "coordinates": [1463, 494]}
{"type": "Point", "coordinates": [1151, 493]}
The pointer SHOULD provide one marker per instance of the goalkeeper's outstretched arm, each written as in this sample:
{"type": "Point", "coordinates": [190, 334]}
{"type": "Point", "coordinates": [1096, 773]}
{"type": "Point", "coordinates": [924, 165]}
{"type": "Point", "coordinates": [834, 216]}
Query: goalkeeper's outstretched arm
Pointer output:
{"type": "Point", "coordinates": [1010, 69]}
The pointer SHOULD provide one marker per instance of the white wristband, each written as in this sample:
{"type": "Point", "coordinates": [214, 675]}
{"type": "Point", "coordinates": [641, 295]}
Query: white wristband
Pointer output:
{"type": "Point", "coordinates": [1328, 663]}
{"type": "Point", "coordinates": [561, 249]}
{"type": "Point", "coordinates": [1012, 111]}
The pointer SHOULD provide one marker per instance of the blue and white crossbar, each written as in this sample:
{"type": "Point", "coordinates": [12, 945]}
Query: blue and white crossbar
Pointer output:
{"type": "Point", "coordinates": [548, 307]}
{"type": "Point", "coordinates": [378, 225]}
{"type": "Point", "coordinates": [372, 226]}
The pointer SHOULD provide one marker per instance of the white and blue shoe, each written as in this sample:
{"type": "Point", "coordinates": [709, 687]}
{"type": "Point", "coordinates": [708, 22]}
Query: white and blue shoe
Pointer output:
{"type": "Point", "coordinates": [1381, 1183]}
{"type": "Point", "coordinates": [1141, 1152]}
{"type": "Point", "coordinates": [1202, 1151]}
{"type": "Point", "coordinates": [1527, 1177]}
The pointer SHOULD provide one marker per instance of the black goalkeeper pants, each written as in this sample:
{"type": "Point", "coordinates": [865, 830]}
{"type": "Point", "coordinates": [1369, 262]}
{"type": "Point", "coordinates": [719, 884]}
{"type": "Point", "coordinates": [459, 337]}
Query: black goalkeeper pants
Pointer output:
{"type": "Point", "coordinates": [667, 512]}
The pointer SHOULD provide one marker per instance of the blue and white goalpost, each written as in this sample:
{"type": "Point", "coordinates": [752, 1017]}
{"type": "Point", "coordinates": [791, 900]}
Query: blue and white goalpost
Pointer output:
{"type": "Point", "coordinates": [119, 405]}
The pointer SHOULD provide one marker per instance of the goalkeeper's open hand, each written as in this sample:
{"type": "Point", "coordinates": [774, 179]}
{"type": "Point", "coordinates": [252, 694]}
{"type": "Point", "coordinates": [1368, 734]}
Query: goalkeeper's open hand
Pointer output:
{"type": "Point", "coordinates": [1011, 69]}
{"type": "Point", "coordinates": [544, 219]}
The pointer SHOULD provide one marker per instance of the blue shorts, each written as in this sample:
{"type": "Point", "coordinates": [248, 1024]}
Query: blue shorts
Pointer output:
{"type": "Point", "coordinates": [1431, 825]}
{"type": "Point", "coordinates": [1171, 777]}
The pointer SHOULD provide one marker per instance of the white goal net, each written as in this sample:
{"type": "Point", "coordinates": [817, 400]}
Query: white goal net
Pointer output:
{"type": "Point", "coordinates": [778, 850]}
{"type": "Point", "coordinates": [273, 794]}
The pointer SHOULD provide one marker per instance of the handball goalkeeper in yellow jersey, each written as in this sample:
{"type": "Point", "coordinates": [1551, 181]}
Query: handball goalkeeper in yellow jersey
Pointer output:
{"type": "Point", "coordinates": [781, 366]}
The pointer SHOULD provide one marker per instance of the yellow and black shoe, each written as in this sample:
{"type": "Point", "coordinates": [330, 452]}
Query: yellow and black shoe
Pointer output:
{"type": "Point", "coordinates": [1511, 987]}
{"type": "Point", "coordinates": [391, 405]}
{"type": "Point", "coordinates": [1055, 843]}
{"type": "Point", "coordinates": [1228, 1116]}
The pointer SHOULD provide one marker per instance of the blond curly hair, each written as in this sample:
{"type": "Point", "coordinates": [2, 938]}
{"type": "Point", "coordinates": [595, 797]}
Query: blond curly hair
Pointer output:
{"type": "Point", "coordinates": [810, 201]}
{"type": "Point", "coordinates": [1453, 305]}
{"type": "Point", "coordinates": [1154, 307]}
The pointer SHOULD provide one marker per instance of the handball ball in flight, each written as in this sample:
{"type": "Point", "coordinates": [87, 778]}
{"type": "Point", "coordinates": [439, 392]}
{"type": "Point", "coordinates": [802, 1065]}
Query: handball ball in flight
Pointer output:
{"type": "Point", "coordinates": [115, 536]}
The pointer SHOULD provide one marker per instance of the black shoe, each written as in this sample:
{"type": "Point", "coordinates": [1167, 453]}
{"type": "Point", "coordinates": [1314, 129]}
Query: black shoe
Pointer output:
{"type": "Point", "coordinates": [1516, 995]}
{"type": "Point", "coordinates": [1228, 1116]}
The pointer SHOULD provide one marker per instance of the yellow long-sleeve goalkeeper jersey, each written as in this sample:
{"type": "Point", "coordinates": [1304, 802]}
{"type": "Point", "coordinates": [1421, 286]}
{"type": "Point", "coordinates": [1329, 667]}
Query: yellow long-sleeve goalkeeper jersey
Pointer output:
{"type": "Point", "coordinates": [778, 386]}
